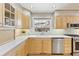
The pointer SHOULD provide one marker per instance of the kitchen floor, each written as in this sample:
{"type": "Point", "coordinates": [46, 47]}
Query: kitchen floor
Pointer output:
{"type": "Point", "coordinates": [49, 55]}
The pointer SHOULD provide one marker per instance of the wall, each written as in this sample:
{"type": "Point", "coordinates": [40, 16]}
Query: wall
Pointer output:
{"type": "Point", "coordinates": [6, 35]}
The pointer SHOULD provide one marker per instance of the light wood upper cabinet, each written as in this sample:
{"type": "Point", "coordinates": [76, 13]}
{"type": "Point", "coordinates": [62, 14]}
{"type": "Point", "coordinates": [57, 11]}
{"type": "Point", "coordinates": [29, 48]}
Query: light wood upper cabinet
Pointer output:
{"type": "Point", "coordinates": [13, 16]}
{"type": "Point", "coordinates": [8, 15]}
{"type": "Point", "coordinates": [25, 21]}
{"type": "Point", "coordinates": [58, 22]}
{"type": "Point", "coordinates": [67, 46]}
{"type": "Point", "coordinates": [73, 19]}
{"type": "Point", "coordinates": [62, 21]}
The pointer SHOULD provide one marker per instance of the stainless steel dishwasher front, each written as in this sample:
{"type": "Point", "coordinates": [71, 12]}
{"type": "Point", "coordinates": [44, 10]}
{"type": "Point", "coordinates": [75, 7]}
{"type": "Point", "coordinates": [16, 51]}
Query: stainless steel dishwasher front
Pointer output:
{"type": "Point", "coordinates": [57, 45]}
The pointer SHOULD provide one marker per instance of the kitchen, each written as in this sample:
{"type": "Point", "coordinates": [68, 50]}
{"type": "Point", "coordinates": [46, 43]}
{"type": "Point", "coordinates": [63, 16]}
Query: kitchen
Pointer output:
{"type": "Point", "coordinates": [39, 29]}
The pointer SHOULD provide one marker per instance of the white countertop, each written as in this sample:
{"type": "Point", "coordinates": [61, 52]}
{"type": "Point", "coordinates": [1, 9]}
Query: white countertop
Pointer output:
{"type": "Point", "coordinates": [50, 36]}
{"type": "Point", "coordinates": [7, 47]}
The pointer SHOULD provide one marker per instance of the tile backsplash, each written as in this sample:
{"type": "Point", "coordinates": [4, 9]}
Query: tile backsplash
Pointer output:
{"type": "Point", "coordinates": [56, 32]}
{"type": "Point", "coordinates": [51, 32]}
{"type": "Point", "coordinates": [72, 31]}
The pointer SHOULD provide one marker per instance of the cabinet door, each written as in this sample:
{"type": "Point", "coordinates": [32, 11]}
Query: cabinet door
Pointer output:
{"type": "Point", "coordinates": [46, 46]}
{"type": "Point", "coordinates": [74, 19]}
{"type": "Point", "coordinates": [61, 22]}
{"type": "Point", "coordinates": [67, 46]}
{"type": "Point", "coordinates": [35, 46]}
{"type": "Point", "coordinates": [20, 50]}
{"type": "Point", "coordinates": [25, 21]}
{"type": "Point", "coordinates": [64, 22]}
{"type": "Point", "coordinates": [58, 22]}
{"type": "Point", "coordinates": [1, 12]}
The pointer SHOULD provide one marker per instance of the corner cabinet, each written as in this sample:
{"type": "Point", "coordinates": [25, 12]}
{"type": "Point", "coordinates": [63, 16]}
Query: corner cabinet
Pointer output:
{"type": "Point", "coordinates": [20, 50]}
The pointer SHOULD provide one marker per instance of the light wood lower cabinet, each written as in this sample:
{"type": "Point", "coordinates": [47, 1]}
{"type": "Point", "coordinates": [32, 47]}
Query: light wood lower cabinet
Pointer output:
{"type": "Point", "coordinates": [46, 48]}
{"type": "Point", "coordinates": [40, 45]}
{"type": "Point", "coordinates": [67, 46]}
{"type": "Point", "coordinates": [35, 46]}
{"type": "Point", "coordinates": [27, 48]}
{"type": "Point", "coordinates": [21, 50]}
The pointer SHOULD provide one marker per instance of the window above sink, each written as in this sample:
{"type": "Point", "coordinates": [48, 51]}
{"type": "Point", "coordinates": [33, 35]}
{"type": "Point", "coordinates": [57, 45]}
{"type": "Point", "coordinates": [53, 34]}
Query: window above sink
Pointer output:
{"type": "Point", "coordinates": [42, 23]}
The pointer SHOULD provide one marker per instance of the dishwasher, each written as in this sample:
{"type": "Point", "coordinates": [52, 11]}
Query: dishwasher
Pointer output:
{"type": "Point", "coordinates": [57, 46]}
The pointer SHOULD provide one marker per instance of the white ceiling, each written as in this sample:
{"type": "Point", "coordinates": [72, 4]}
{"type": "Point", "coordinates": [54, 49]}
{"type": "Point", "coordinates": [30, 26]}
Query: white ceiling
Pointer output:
{"type": "Point", "coordinates": [50, 7]}
{"type": "Point", "coordinates": [26, 5]}
{"type": "Point", "coordinates": [39, 7]}
{"type": "Point", "coordinates": [42, 7]}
